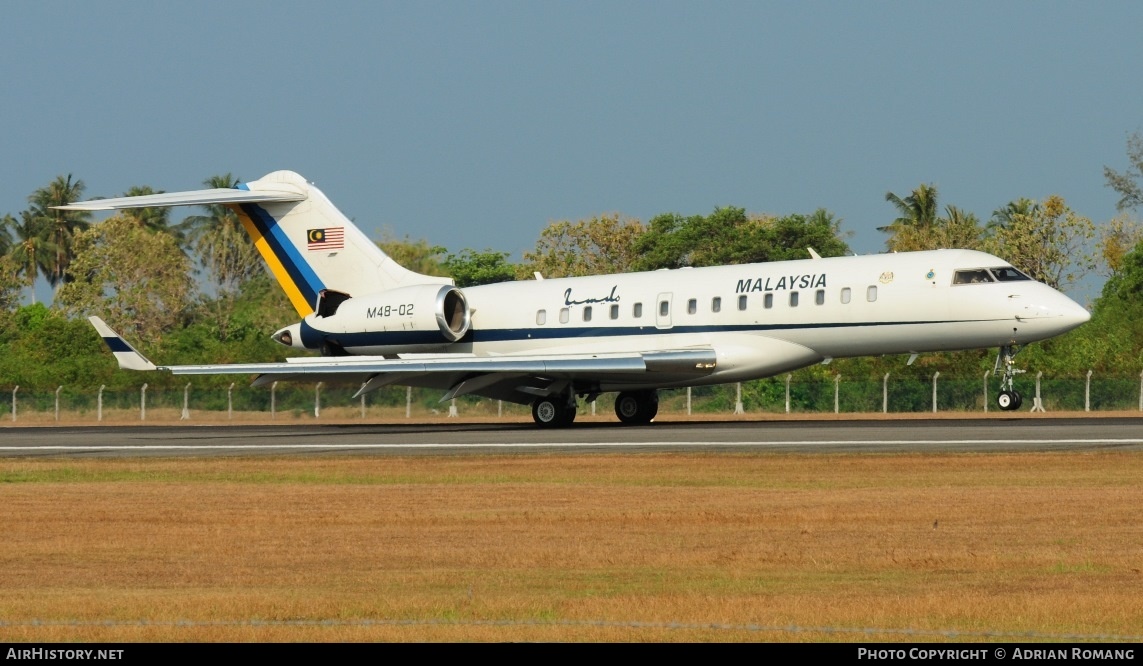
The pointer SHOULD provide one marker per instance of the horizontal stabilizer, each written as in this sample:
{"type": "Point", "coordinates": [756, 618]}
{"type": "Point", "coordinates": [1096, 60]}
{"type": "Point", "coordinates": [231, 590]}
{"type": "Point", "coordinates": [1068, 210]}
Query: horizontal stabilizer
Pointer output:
{"type": "Point", "coordinates": [191, 198]}
{"type": "Point", "coordinates": [125, 354]}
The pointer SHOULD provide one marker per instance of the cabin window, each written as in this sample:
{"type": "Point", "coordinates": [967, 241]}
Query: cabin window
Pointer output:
{"type": "Point", "coordinates": [587, 313]}
{"type": "Point", "coordinates": [793, 299]}
{"type": "Point", "coordinates": [541, 317]}
{"type": "Point", "coordinates": [975, 276]}
{"type": "Point", "coordinates": [846, 294]}
{"type": "Point", "coordinates": [819, 297]}
{"type": "Point", "coordinates": [565, 315]}
{"type": "Point", "coordinates": [637, 311]}
{"type": "Point", "coordinates": [664, 308]}
{"type": "Point", "coordinates": [615, 312]}
{"type": "Point", "coordinates": [692, 306]}
{"type": "Point", "coordinates": [871, 293]}
{"type": "Point", "coordinates": [716, 304]}
{"type": "Point", "coordinates": [768, 301]}
{"type": "Point", "coordinates": [742, 302]}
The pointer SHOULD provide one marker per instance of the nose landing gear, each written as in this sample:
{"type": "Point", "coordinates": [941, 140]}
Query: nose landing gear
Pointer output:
{"type": "Point", "coordinates": [1009, 399]}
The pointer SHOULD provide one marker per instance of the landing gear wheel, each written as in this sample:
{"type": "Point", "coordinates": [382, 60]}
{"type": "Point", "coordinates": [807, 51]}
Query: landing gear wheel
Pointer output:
{"type": "Point", "coordinates": [1009, 400]}
{"type": "Point", "coordinates": [553, 413]}
{"type": "Point", "coordinates": [635, 407]}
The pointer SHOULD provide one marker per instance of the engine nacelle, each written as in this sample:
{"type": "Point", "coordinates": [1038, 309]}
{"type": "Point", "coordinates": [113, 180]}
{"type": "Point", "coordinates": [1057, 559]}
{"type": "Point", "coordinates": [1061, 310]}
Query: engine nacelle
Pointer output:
{"type": "Point", "coordinates": [410, 319]}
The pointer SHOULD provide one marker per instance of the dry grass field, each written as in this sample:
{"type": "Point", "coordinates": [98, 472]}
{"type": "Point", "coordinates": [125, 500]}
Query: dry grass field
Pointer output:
{"type": "Point", "coordinates": [651, 547]}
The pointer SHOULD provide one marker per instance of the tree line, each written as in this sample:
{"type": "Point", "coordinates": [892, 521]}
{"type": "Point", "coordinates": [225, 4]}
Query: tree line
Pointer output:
{"type": "Point", "coordinates": [196, 291]}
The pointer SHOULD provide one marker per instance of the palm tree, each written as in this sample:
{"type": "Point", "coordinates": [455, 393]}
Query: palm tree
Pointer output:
{"type": "Point", "coordinates": [31, 250]}
{"type": "Point", "coordinates": [61, 225]}
{"type": "Point", "coordinates": [221, 242]}
{"type": "Point", "coordinates": [154, 219]}
{"type": "Point", "coordinates": [1002, 217]}
{"type": "Point", "coordinates": [6, 225]}
{"type": "Point", "coordinates": [919, 209]}
{"type": "Point", "coordinates": [959, 229]}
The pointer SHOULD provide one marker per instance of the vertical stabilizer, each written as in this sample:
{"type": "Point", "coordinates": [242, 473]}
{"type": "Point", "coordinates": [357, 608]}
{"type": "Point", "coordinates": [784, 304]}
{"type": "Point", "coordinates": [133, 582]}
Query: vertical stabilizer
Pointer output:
{"type": "Point", "coordinates": [311, 246]}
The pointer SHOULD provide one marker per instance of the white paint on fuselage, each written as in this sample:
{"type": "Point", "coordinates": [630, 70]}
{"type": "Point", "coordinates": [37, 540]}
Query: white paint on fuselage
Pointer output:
{"type": "Point", "coordinates": [917, 308]}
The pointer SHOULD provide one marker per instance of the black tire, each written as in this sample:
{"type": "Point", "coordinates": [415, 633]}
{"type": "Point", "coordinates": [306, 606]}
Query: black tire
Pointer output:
{"type": "Point", "coordinates": [1019, 400]}
{"type": "Point", "coordinates": [553, 413]}
{"type": "Point", "coordinates": [627, 407]}
{"type": "Point", "coordinates": [569, 416]}
{"type": "Point", "coordinates": [547, 413]}
{"type": "Point", "coordinates": [1007, 400]}
{"type": "Point", "coordinates": [651, 408]}
{"type": "Point", "coordinates": [636, 407]}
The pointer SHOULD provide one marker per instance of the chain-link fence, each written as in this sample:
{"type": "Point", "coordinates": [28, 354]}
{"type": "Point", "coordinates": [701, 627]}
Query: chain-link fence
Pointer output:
{"type": "Point", "coordinates": [781, 394]}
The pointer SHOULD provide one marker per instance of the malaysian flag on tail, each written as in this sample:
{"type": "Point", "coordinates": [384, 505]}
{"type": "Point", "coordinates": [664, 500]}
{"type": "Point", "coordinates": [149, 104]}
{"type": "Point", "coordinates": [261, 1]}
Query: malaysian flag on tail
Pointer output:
{"type": "Point", "coordinates": [332, 238]}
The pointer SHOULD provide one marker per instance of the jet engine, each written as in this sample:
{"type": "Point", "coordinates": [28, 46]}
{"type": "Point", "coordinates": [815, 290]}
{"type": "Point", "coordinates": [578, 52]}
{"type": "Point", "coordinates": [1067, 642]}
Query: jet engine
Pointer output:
{"type": "Point", "coordinates": [421, 318]}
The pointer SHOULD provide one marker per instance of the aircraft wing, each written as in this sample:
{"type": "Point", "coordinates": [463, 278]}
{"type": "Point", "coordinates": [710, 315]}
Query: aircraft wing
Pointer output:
{"type": "Point", "coordinates": [512, 377]}
{"type": "Point", "coordinates": [191, 198]}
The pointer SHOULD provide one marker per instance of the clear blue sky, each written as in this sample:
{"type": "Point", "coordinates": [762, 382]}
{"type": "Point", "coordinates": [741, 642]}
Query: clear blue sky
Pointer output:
{"type": "Point", "coordinates": [475, 124]}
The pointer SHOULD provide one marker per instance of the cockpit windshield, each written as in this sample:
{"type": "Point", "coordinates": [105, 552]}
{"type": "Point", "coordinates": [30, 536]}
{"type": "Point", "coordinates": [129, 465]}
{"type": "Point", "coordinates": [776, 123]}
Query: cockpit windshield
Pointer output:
{"type": "Point", "coordinates": [1008, 274]}
{"type": "Point", "coordinates": [982, 275]}
{"type": "Point", "coordinates": [973, 276]}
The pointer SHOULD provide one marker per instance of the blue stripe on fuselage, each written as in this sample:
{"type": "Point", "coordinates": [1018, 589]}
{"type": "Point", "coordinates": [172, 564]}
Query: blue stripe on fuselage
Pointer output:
{"type": "Point", "coordinates": [312, 337]}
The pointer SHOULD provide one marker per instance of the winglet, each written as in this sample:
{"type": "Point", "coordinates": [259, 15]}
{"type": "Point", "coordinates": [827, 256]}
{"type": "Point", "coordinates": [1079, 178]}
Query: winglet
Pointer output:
{"type": "Point", "coordinates": [125, 354]}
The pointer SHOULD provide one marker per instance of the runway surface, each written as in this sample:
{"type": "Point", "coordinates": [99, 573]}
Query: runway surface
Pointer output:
{"type": "Point", "coordinates": [943, 435]}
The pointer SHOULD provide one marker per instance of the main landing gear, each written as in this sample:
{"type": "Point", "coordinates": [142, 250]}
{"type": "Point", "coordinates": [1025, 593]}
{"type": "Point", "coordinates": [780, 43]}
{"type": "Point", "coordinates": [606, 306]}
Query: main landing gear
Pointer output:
{"type": "Point", "coordinates": [1008, 399]}
{"type": "Point", "coordinates": [556, 411]}
{"type": "Point", "coordinates": [637, 407]}
{"type": "Point", "coordinates": [632, 408]}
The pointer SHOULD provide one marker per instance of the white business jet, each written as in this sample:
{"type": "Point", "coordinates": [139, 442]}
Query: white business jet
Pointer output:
{"type": "Point", "coordinates": [544, 342]}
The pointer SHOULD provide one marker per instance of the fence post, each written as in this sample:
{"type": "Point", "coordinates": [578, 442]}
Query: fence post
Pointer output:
{"type": "Point", "coordinates": [1087, 393]}
{"type": "Point", "coordinates": [143, 403]}
{"type": "Point", "coordinates": [935, 375]}
{"type": "Point", "coordinates": [317, 401]}
{"type": "Point", "coordinates": [186, 403]}
{"type": "Point", "coordinates": [738, 400]}
{"type": "Point", "coordinates": [500, 408]}
{"type": "Point", "coordinates": [58, 389]}
{"type": "Point", "coordinates": [1141, 390]}
{"type": "Point", "coordinates": [788, 393]}
{"type": "Point", "coordinates": [1037, 403]}
{"type": "Point", "coordinates": [986, 373]}
{"type": "Point", "coordinates": [408, 401]}
{"type": "Point", "coordinates": [363, 401]}
{"type": "Point", "coordinates": [452, 413]}
{"type": "Point", "coordinates": [229, 402]}
{"type": "Point", "coordinates": [14, 401]}
{"type": "Point", "coordinates": [836, 390]}
{"type": "Point", "coordinates": [99, 403]}
{"type": "Point", "coordinates": [885, 394]}
{"type": "Point", "coordinates": [273, 400]}
{"type": "Point", "coordinates": [689, 398]}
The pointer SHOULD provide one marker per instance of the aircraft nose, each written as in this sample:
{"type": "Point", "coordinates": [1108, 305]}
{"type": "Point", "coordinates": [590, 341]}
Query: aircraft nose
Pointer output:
{"type": "Point", "coordinates": [1074, 314]}
{"type": "Point", "coordinates": [1056, 310]}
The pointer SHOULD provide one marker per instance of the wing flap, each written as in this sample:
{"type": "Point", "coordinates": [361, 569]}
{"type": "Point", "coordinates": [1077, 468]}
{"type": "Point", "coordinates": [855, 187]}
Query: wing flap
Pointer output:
{"type": "Point", "coordinates": [505, 376]}
{"type": "Point", "coordinates": [700, 361]}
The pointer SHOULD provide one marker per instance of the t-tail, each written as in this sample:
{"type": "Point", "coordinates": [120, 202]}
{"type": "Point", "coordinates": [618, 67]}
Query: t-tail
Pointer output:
{"type": "Point", "coordinates": [314, 251]}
